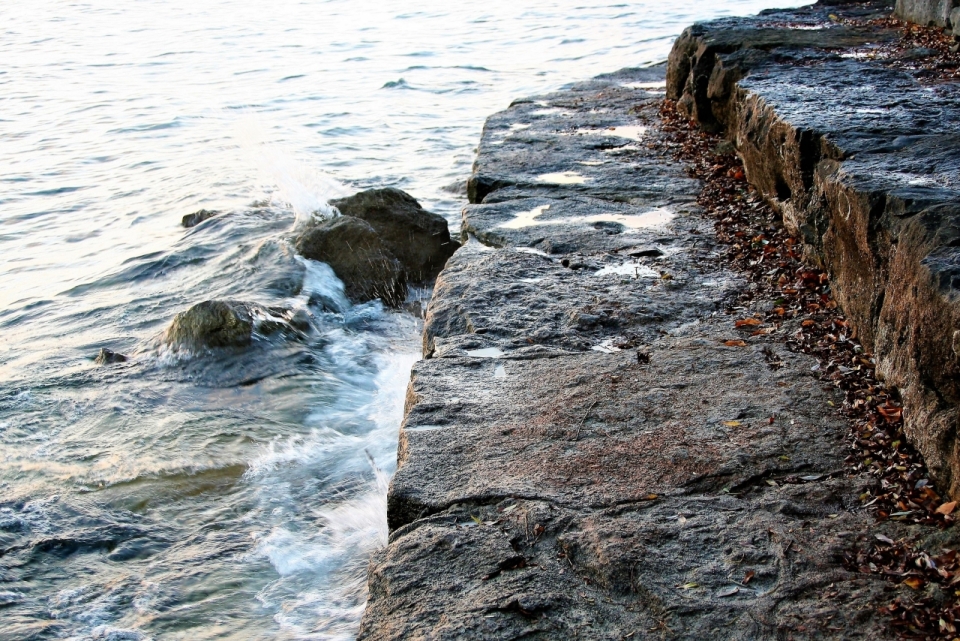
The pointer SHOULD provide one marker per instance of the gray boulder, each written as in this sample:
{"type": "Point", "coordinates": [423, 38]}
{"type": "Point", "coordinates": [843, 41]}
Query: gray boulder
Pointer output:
{"type": "Point", "coordinates": [212, 323]}
{"type": "Point", "coordinates": [418, 238]}
{"type": "Point", "coordinates": [356, 253]}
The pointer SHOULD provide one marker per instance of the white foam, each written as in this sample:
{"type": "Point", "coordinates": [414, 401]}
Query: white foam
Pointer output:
{"type": "Point", "coordinates": [287, 181]}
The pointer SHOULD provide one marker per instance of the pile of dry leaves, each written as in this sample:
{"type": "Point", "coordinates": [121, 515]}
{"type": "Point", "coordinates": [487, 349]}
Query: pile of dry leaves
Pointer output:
{"type": "Point", "coordinates": [929, 53]}
{"type": "Point", "coordinates": [800, 301]}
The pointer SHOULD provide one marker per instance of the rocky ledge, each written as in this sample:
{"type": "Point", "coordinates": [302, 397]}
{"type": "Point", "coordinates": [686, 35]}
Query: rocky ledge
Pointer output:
{"type": "Point", "coordinates": [593, 447]}
{"type": "Point", "coordinates": [857, 145]}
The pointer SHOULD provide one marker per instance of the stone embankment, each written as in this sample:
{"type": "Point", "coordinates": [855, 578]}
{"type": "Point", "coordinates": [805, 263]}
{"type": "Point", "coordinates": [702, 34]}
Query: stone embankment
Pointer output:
{"type": "Point", "coordinates": [592, 449]}
{"type": "Point", "coordinates": [861, 155]}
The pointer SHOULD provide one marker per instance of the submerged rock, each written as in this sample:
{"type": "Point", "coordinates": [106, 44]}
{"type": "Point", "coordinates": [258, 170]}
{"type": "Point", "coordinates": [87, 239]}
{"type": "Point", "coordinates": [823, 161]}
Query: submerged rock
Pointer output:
{"type": "Point", "coordinates": [418, 238]}
{"type": "Point", "coordinates": [109, 357]}
{"type": "Point", "coordinates": [212, 323]}
{"type": "Point", "coordinates": [358, 256]}
{"type": "Point", "coordinates": [197, 217]}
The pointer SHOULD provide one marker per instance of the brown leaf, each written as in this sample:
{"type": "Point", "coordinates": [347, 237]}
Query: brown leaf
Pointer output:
{"type": "Point", "coordinates": [747, 322]}
{"type": "Point", "coordinates": [947, 508]}
{"type": "Point", "coordinates": [890, 412]}
{"type": "Point", "coordinates": [764, 331]}
{"type": "Point", "coordinates": [735, 343]}
{"type": "Point", "coordinates": [748, 576]}
{"type": "Point", "coordinates": [914, 582]}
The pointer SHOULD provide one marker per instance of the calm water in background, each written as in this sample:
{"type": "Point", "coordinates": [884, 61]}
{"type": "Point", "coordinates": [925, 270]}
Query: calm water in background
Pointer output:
{"type": "Point", "coordinates": [231, 496]}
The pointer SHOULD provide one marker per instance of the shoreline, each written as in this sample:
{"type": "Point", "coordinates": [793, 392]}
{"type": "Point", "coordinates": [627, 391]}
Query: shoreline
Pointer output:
{"type": "Point", "coordinates": [615, 432]}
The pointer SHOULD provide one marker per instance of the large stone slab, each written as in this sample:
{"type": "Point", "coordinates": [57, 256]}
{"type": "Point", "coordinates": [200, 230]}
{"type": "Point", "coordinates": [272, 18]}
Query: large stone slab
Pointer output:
{"type": "Point", "coordinates": [591, 448]}
{"type": "Point", "coordinates": [861, 159]}
{"type": "Point", "coordinates": [596, 430]}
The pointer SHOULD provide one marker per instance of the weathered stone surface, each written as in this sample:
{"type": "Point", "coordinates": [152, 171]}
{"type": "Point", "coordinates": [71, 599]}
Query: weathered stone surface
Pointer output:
{"type": "Point", "coordinates": [227, 323]}
{"type": "Point", "coordinates": [583, 454]}
{"type": "Point", "coordinates": [197, 217]}
{"type": "Point", "coordinates": [597, 430]}
{"type": "Point", "coordinates": [358, 256]}
{"type": "Point", "coordinates": [419, 239]}
{"type": "Point", "coordinates": [926, 12]}
{"type": "Point", "coordinates": [861, 160]}
{"type": "Point", "coordinates": [212, 323]}
{"type": "Point", "coordinates": [553, 148]}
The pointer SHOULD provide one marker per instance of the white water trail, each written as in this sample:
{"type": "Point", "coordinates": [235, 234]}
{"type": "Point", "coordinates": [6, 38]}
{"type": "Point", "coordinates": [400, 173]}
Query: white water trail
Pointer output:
{"type": "Point", "coordinates": [285, 180]}
{"type": "Point", "coordinates": [321, 561]}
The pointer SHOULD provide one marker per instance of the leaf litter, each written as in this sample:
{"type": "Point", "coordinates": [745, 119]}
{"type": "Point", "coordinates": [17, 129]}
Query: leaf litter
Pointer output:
{"type": "Point", "coordinates": [800, 299]}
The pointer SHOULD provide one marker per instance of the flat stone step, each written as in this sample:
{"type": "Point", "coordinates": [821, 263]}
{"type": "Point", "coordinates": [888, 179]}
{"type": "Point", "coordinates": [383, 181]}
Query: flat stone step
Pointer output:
{"type": "Point", "coordinates": [591, 449]}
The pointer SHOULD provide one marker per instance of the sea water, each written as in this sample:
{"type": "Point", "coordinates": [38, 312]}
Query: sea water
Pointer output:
{"type": "Point", "coordinates": [229, 495]}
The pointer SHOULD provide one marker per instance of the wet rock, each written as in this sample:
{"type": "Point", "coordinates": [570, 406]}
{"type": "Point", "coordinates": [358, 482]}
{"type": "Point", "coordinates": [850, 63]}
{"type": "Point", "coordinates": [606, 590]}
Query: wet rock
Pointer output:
{"type": "Point", "coordinates": [109, 357]}
{"type": "Point", "coordinates": [211, 324]}
{"type": "Point", "coordinates": [358, 256]}
{"type": "Point", "coordinates": [865, 178]}
{"type": "Point", "coordinates": [197, 217]}
{"type": "Point", "coordinates": [419, 239]}
{"type": "Point", "coordinates": [584, 454]}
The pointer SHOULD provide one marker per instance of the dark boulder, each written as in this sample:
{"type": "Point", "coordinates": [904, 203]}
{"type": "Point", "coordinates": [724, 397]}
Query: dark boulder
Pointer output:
{"type": "Point", "coordinates": [109, 357]}
{"type": "Point", "coordinates": [358, 256]}
{"type": "Point", "coordinates": [418, 238]}
{"type": "Point", "coordinates": [197, 217]}
{"type": "Point", "coordinates": [212, 323]}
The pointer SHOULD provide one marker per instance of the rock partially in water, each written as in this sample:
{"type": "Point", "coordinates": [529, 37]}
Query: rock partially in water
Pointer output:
{"type": "Point", "coordinates": [358, 256]}
{"type": "Point", "coordinates": [109, 357]}
{"type": "Point", "coordinates": [418, 238]}
{"type": "Point", "coordinates": [212, 323]}
{"type": "Point", "coordinates": [197, 217]}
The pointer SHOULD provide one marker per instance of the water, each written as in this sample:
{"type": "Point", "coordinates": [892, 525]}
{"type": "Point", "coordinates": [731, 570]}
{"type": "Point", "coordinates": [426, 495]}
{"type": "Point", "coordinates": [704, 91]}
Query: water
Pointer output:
{"type": "Point", "coordinates": [228, 496]}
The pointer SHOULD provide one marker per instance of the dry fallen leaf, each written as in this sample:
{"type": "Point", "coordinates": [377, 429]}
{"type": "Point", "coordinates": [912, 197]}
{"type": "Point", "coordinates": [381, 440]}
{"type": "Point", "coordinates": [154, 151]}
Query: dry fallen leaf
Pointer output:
{"type": "Point", "coordinates": [730, 591]}
{"type": "Point", "coordinates": [764, 331]}
{"type": "Point", "coordinates": [735, 343]}
{"type": "Point", "coordinates": [947, 508]}
{"type": "Point", "coordinates": [913, 582]}
{"type": "Point", "coordinates": [748, 576]}
{"type": "Point", "coordinates": [747, 322]}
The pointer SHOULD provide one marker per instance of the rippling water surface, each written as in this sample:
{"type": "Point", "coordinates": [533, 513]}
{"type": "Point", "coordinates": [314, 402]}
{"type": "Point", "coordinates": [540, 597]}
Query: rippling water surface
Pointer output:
{"type": "Point", "coordinates": [225, 495]}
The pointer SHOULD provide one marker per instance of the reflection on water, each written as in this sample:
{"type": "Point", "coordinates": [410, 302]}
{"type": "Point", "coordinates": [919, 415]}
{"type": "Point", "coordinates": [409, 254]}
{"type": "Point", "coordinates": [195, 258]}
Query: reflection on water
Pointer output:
{"type": "Point", "coordinates": [236, 494]}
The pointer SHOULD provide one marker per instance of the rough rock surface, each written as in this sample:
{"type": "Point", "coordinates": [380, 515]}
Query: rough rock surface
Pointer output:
{"type": "Point", "coordinates": [926, 12]}
{"type": "Point", "coordinates": [589, 451]}
{"type": "Point", "coordinates": [419, 239]}
{"type": "Point", "coordinates": [227, 323]}
{"type": "Point", "coordinates": [358, 256]}
{"type": "Point", "coordinates": [862, 161]}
